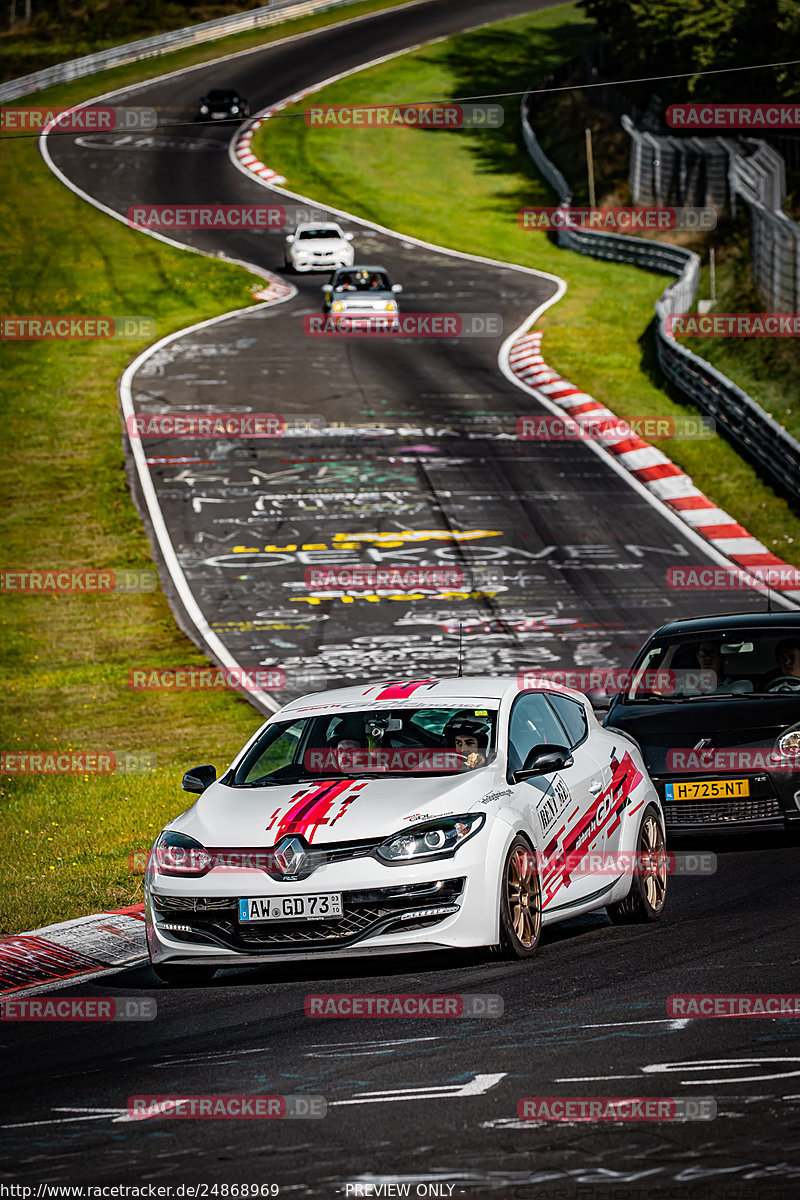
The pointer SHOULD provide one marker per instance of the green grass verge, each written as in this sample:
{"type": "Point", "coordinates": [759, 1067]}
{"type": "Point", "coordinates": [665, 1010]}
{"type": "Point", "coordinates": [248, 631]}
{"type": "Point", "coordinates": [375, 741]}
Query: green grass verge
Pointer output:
{"type": "Point", "coordinates": [66, 503]}
{"type": "Point", "coordinates": [462, 189]}
{"type": "Point", "coordinates": [768, 369]}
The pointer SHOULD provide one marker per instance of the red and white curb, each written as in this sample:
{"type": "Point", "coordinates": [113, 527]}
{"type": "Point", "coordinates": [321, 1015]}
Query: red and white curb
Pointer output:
{"type": "Point", "coordinates": [243, 149]}
{"type": "Point", "coordinates": [72, 950]}
{"type": "Point", "coordinates": [276, 289]}
{"type": "Point", "coordinates": [662, 478]}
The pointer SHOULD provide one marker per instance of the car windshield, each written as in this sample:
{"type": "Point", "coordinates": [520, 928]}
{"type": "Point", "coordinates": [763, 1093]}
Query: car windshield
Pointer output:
{"type": "Point", "coordinates": [404, 741]}
{"type": "Point", "coordinates": [307, 235]}
{"type": "Point", "coordinates": [718, 663]}
{"type": "Point", "coordinates": [218, 97]}
{"type": "Point", "coordinates": [362, 281]}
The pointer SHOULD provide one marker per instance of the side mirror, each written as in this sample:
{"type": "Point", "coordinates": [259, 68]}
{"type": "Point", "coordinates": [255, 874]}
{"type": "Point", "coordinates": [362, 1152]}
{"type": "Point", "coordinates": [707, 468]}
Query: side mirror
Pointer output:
{"type": "Point", "coordinates": [290, 238]}
{"type": "Point", "coordinates": [199, 778]}
{"type": "Point", "coordinates": [349, 237]}
{"type": "Point", "coordinates": [327, 290]}
{"type": "Point", "coordinates": [544, 760]}
{"type": "Point", "coordinates": [397, 287]}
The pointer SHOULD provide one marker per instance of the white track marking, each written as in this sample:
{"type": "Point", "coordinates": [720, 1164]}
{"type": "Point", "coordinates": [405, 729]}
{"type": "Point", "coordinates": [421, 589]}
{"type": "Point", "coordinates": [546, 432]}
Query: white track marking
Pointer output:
{"type": "Point", "coordinates": [474, 1087]}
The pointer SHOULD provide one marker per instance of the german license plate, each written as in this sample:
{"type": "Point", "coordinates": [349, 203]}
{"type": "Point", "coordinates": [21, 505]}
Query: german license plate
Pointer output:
{"type": "Point", "coordinates": [708, 789]}
{"type": "Point", "coordinates": [290, 908]}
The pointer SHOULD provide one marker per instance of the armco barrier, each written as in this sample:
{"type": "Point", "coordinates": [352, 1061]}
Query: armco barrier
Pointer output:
{"type": "Point", "coordinates": [752, 430]}
{"type": "Point", "coordinates": [162, 43]}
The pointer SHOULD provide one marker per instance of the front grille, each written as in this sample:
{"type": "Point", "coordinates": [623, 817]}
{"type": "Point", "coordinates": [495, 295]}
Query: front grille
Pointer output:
{"type": "Point", "coordinates": [192, 903]}
{"type": "Point", "coordinates": [722, 812]}
{"type": "Point", "coordinates": [215, 920]}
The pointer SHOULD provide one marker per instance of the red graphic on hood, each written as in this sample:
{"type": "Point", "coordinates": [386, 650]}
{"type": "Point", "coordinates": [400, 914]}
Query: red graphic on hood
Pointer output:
{"type": "Point", "coordinates": [401, 689]}
{"type": "Point", "coordinates": [603, 814]}
{"type": "Point", "coordinates": [315, 805]}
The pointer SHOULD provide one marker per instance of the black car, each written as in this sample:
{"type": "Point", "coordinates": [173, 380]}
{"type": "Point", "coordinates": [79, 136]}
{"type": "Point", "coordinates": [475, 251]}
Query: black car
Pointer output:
{"type": "Point", "coordinates": [223, 104]}
{"type": "Point", "coordinates": [714, 703]}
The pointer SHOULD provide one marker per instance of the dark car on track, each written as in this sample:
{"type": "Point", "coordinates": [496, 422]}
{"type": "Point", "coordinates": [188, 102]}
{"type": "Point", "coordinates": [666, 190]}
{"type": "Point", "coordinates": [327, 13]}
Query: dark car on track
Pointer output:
{"type": "Point", "coordinates": [223, 104]}
{"type": "Point", "coordinates": [714, 703]}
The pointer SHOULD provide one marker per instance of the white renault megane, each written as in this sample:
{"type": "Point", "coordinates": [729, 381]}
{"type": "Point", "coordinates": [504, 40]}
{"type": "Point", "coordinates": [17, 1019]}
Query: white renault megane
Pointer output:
{"type": "Point", "coordinates": [406, 816]}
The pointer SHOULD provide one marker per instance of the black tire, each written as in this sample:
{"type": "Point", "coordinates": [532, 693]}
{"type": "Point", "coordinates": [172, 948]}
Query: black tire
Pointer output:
{"type": "Point", "coordinates": [648, 895]}
{"type": "Point", "coordinates": [520, 903]}
{"type": "Point", "coordinates": [184, 976]}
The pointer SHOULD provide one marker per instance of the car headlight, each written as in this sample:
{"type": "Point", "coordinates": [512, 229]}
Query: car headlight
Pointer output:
{"type": "Point", "coordinates": [177, 854]}
{"type": "Point", "coordinates": [234, 108]}
{"type": "Point", "coordinates": [437, 838]}
{"type": "Point", "coordinates": [204, 109]}
{"type": "Point", "coordinates": [789, 743]}
{"type": "Point", "coordinates": [337, 306]}
{"type": "Point", "coordinates": [391, 306]}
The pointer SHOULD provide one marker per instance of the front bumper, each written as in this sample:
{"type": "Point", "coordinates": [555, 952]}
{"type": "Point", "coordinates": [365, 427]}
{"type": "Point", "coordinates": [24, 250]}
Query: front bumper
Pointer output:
{"type": "Point", "coordinates": [435, 905]}
{"type": "Point", "coordinates": [332, 263]}
{"type": "Point", "coordinates": [766, 808]}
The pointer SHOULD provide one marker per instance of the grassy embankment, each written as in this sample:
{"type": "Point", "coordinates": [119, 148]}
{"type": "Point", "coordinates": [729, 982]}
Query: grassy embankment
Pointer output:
{"type": "Point", "coordinates": [66, 503]}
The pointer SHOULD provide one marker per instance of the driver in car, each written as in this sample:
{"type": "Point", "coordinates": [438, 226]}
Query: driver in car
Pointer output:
{"type": "Point", "coordinates": [787, 656]}
{"type": "Point", "coordinates": [345, 739]}
{"type": "Point", "coordinates": [469, 736]}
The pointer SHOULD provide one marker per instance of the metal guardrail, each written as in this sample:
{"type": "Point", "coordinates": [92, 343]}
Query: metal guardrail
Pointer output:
{"type": "Point", "coordinates": [162, 43]}
{"type": "Point", "coordinates": [753, 431]}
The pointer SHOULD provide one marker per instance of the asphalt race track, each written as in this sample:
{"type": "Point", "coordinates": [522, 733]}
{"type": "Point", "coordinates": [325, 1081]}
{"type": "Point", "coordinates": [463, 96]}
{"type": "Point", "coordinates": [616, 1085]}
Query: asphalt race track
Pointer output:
{"type": "Point", "coordinates": [421, 1101]}
{"type": "Point", "coordinates": [435, 1099]}
{"type": "Point", "coordinates": [583, 555]}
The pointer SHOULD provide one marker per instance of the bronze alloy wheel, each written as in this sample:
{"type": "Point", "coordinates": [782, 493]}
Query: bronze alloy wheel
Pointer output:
{"type": "Point", "coordinates": [648, 895]}
{"type": "Point", "coordinates": [520, 903]}
{"type": "Point", "coordinates": [653, 863]}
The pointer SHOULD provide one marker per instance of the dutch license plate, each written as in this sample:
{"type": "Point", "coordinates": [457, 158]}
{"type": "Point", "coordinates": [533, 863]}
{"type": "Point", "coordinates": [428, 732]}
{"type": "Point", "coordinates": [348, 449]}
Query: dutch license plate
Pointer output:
{"type": "Point", "coordinates": [708, 789]}
{"type": "Point", "coordinates": [290, 908]}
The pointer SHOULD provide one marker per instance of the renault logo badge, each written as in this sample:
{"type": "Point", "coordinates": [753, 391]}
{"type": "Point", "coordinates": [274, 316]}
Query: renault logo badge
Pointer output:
{"type": "Point", "coordinates": [289, 856]}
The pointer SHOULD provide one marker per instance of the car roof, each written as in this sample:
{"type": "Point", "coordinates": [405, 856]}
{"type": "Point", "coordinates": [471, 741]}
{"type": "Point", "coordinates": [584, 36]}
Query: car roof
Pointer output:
{"type": "Point", "coordinates": [363, 267]}
{"type": "Point", "coordinates": [427, 692]}
{"type": "Point", "coordinates": [719, 623]}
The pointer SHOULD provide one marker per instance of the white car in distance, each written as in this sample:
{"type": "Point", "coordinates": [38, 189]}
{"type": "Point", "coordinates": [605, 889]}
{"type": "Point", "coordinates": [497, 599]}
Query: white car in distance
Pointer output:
{"type": "Point", "coordinates": [318, 246]}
